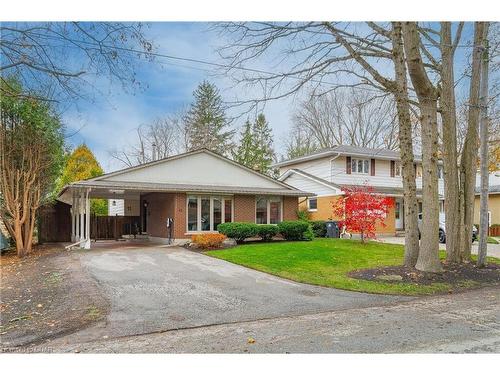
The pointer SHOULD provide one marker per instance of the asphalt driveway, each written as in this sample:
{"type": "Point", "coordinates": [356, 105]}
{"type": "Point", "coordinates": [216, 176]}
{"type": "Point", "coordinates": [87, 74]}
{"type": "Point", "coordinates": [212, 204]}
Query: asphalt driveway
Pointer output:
{"type": "Point", "coordinates": [154, 289]}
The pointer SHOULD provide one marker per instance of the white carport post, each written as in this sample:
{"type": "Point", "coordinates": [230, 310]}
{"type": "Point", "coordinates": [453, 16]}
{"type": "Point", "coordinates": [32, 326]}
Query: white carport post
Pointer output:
{"type": "Point", "coordinates": [73, 210]}
{"type": "Point", "coordinates": [82, 217]}
{"type": "Point", "coordinates": [77, 216]}
{"type": "Point", "coordinates": [86, 244]}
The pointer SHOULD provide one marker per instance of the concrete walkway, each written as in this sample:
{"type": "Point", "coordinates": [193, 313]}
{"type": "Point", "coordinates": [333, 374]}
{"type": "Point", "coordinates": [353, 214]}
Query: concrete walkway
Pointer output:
{"type": "Point", "coordinates": [493, 249]}
{"type": "Point", "coordinates": [154, 289]}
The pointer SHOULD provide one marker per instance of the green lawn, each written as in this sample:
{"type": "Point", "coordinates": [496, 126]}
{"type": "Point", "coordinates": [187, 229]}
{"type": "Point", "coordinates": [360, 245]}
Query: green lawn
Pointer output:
{"type": "Point", "coordinates": [326, 262]}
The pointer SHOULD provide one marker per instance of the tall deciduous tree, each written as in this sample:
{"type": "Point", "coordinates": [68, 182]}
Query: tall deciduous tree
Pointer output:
{"type": "Point", "coordinates": [206, 123]}
{"type": "Point", "coordinates": [326, 49]}
{"type": "Point", "coordinates": [428, 258]}
{"type": "Point", "coordinates": [31, 154]}
{"type": "Point", "coordinates": [448, 108]}
{"type": "Point", "coordinates": [483, 211]}
{"type": "Point", "coordinates": [82, 165]}
{"type": "Point", "coordinates": [351, 117]}
{"type": "Point", "coordinates": [38, 54]}
{"type": "Point", "coordinates": [158, 139]}
{"type": "Point", "coordinates": [468, 162]}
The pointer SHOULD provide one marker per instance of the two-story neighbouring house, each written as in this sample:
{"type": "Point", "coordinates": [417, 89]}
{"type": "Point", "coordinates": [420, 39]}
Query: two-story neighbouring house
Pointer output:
{"type": "Point", "coordinates": [328, 171]}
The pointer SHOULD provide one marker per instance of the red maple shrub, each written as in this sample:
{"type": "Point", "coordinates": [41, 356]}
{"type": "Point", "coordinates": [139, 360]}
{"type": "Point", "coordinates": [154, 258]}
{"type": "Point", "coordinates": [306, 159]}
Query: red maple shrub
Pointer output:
{"type": "Point", "coordinates": [361, 209]}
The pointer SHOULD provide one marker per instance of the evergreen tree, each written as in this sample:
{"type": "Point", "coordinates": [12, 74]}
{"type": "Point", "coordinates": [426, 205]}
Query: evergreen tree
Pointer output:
{"type": "Point", "coordinates": [256, 145]}
{"type": "Point", "coordinates": [245, 151]}
{"type": "Point", "coordinates": [264, 150]}
{"type": "Point", "coordinates": [206, 124]}
{"type": "Point", "coordinates": [82, 165]}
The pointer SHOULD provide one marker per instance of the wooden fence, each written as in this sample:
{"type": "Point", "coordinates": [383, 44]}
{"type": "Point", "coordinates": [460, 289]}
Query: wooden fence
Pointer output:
{"type": "Point", "coordinates": [113, 227]}
{"type": "Point", "coordinates": [494, 231]}
{"type": "Point", "coordinates": [54, 224]}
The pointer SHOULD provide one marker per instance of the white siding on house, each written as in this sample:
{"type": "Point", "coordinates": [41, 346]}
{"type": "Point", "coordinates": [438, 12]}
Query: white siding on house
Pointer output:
{"type": "Point", "coordinates": [309, 185]}
{"type": "Point", "coordinates": [196, 169]}
{"type": "Point", "coordinates": [334, 170]}
{"type": "Point", "coordinates": [124, 207]}
{"type": "Point", "coordinates": [115, 207]}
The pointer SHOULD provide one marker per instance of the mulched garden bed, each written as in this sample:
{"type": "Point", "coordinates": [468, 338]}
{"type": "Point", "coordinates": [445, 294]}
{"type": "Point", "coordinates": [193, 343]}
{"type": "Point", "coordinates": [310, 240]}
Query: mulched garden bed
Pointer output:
{"type": "Point", "coordinates": [457, 275]}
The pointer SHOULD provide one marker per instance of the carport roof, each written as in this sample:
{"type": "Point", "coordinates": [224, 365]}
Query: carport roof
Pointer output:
{"type": "Point", "coordinates": [164, 187]}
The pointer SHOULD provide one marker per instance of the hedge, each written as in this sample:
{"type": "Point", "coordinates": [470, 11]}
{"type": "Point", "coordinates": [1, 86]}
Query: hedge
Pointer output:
{"type": "Point", "coordinates": [296, 230]}
{"type": "Point", "coordinates": [239, 231]}
{"type": "Point", "coordinates": [319, 228]}
{"type": "Point", "coordinates": [267, 231]}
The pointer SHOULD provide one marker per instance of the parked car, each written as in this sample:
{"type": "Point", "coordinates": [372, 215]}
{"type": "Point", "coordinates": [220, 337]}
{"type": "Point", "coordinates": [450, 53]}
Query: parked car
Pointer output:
{"type": "Point", "coordinates": [442, 230]}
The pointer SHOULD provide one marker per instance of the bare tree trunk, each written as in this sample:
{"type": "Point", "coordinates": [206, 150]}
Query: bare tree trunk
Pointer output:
{"type": "Point", "coordinates": [405, 149]}
{"type": "Point", "coordinates": [468, 166]}
{"type": "Point", "coordinates": [428, 258]}
{"type": "Point", "coordinates": [449, 121]}
{"type": "Point", "coordinates": [483, 211]}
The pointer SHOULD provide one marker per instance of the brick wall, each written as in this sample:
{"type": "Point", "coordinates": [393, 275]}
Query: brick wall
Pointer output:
{"type": "Point", "coordinates": [180, 216]}
{"type": "Point", "coordinates": [244, 208]}
{"type": "Point", "coordinates": [160, 206]}
{"type": "Point", "coordinates": [325, 212]}
{"type": "Point", "coordinates": [290, 206]}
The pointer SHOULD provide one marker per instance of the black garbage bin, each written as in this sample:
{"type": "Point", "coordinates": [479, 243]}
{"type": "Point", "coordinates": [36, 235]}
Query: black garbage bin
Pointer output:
{"type": "Point", "coordinates": [332, 229]}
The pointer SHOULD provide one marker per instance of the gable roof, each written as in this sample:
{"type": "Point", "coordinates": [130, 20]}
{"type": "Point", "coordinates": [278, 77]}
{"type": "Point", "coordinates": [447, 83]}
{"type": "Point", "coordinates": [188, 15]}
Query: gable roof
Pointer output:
{"type": "Point", "coordinates": [309, 176]}
{"type": "Point", "coordinates": [376, 153]}
{"type": "Point", "coordinates": [197, 171]}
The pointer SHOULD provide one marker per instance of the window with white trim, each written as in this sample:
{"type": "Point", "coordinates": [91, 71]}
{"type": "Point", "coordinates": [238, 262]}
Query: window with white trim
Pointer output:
{"type": "Point", "coordinates": [268, 210]}
{"type": "Point", "coordinates": [312, 204]}
{"type": "Point", "coordinates": [205, 212]}
{"type": "Point", "coordinates": [397, 169]}
{"type": "Point", "coordinates": [360, 166]}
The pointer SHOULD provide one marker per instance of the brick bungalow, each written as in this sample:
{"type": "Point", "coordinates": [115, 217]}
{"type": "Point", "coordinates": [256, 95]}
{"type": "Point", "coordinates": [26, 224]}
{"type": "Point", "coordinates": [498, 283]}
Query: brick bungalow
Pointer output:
{"type": "Point", "coordinates": [198, 190]}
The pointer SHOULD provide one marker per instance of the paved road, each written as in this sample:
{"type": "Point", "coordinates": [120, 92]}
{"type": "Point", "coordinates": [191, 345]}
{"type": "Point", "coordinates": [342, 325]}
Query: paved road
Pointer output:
{"type": "Point", "coordinates": [152, 289]}
{"type": "Point", "coordinates": [459, 323]}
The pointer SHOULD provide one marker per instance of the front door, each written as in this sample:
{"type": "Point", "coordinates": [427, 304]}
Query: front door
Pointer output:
{"type": "Point", "coordinates": [399, 214]}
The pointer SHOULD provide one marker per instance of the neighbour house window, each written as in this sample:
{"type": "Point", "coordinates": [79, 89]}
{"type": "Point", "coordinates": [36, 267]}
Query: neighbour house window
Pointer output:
{"type": "Point", "coordinates": [360, 166]}
{"type": "Point", "coordinates": [397, 169]}
{"type": "Point", "coordinates": [312, 204]}
{"type": "Point", "coordinates": [268, 210]}
{"type": "Point", "coordinates": [205, 213]}
{"type": "Point", "coordinates": [440, 171]}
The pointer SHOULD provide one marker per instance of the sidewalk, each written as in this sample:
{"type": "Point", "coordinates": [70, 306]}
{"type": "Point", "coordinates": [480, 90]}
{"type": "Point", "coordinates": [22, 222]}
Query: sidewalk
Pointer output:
{"type": "Point", "coordinates": [493, 249]}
